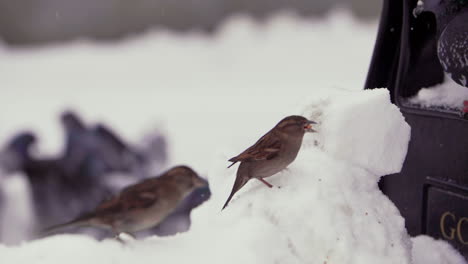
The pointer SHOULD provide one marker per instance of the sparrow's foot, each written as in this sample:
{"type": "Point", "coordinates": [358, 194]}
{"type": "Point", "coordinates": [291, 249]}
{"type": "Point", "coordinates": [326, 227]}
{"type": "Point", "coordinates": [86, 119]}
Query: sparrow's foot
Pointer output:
{"type": "Point", "coordinates": [124, 237]}
{"type": "Point", "coordinates": [265, 182]}
{"type": "Point", "coordinates": [118, 238]}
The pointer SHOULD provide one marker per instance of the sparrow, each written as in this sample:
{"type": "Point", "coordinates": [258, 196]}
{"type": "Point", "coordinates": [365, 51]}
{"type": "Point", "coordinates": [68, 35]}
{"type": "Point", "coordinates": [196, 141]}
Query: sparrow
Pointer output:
{"type": "Point", "coordinates": [142, 205]}
{"type": "Point", "coordinates": [271, 153]}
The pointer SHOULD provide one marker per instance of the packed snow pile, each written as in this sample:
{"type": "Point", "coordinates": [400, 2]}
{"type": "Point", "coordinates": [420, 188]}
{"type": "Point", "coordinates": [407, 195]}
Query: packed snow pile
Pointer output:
{"type": "Point", "coordinates": [343, 217]}
{"type": "Point", "coordinates": [447, 95]}
{"type": "Point", "coordinates": [323, 208]}
{"type": "Point", "coordinates": [430, 251]}
{"type": "Point", "coordinates": [354, 120]}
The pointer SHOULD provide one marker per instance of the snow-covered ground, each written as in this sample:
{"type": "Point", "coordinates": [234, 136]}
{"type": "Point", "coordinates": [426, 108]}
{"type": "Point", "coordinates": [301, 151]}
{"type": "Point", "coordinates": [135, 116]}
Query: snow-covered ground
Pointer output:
{"type": "Point", "coordinates": [215, 96]}
{"type": "Point", "coordinates": [200, 88]}
{"type": "Point", "coordinates": [447, 95]}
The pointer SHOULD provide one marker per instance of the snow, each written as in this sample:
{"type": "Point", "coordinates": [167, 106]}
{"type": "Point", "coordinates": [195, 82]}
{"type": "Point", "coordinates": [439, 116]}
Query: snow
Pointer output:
{"type": "Point", "coordinates": [215, 97]}
{"type": "Point", "coordinates": [175, 82]}
{"type": "Point", "coordinates": [430, 251]}
{"type": "Point", "coordinates": [447, 95]}
{"type": "Point", "coordinates": [356, 122]}
{"type": "Point", "coordinates": [341, 215]}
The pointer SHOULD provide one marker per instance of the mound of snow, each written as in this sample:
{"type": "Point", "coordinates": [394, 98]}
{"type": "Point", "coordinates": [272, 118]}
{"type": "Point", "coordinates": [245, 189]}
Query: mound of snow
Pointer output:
{"type": "Point", "coordinates": [325, 208]}
{"type": "Point", "coordinates": [365, 129]}
{"type": "Point", "coordinates": [427, 250]}
{"type": "Point", "coordinates": [322, 209]}
{"type": "Point", "coordinates": [447, 95]}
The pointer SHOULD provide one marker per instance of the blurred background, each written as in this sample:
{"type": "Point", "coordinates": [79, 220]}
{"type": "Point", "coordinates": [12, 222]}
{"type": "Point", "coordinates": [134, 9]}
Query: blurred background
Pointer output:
{"type": "Point", "coordinates": [97, 95]}
{"type": "Point", "coordinates": [31, 22]}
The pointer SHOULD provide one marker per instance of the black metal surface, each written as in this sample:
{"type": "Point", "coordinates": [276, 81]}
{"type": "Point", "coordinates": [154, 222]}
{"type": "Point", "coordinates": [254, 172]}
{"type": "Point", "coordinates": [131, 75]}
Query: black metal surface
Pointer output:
{"type": "Point", "coordinates": [447, 217]}
{"type": "Point", "coordinates": [386, 49]}
{"type": "Point", "coordinates": [434, 154]}
{"type": "Point", "coordinates": [434, 178]}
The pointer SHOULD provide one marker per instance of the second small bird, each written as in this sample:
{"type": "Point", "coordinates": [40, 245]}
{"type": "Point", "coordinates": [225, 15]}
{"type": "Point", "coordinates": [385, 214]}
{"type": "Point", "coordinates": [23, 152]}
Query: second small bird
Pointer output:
{"type": "Point", "coordinates": [271, 153]}
{"type": "Point", "coordinates": [142, 205]}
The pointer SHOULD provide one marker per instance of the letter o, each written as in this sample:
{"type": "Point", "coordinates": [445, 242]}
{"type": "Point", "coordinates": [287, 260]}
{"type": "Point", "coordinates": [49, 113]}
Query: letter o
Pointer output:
{"type": "Point", "coordinates": [459, 230]}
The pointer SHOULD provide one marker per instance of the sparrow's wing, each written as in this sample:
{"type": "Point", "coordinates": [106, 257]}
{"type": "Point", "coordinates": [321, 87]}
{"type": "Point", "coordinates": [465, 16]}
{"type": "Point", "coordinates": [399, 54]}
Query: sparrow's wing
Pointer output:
{"type": "Point", "coordinates": [141, 200]}
{"type": "Point", "coordinates": [133, 197]}
{"type": "Point", "coordinates": [266, 148]}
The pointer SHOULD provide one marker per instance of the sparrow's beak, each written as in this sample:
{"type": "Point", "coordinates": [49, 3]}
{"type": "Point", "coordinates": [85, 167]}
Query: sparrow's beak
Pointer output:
{"type": "Point", "coordinates": [308, 126]}
{"type": "Point", "coordinates": [200, 182]}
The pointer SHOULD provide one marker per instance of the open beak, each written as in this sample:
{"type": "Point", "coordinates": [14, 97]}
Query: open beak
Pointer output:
{"type": "Point", "coordinates": [308, 126]}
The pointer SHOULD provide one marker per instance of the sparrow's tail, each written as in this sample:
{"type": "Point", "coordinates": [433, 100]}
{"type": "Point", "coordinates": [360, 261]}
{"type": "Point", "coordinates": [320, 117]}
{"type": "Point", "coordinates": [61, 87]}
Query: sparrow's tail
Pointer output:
{"type": "Point", "coordinates": [241, 180]}
{"type": "Point", "coordinates": [80, 221]}
{"type": "Point", "coordinates": [234, 160]}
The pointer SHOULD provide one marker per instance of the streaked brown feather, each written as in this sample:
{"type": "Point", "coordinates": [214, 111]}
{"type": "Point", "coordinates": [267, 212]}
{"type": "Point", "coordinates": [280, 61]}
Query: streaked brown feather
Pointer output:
{"type": "Point", "coordinates": [266, 148]}
{"type": "Point", "coordinates": [138, 196]}
{"type": "Point", "coordinates": [136, 206]}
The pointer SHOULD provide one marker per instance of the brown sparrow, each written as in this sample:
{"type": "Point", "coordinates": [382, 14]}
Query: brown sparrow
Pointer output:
{"type": "Point", "coordinates": [271, 153]}
{"type": "Point", "coordinates": [142, 205]}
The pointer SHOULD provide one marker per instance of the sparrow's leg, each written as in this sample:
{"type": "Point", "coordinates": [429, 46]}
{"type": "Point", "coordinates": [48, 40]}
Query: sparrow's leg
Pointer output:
{"type": "Point", "coordinates": [265, 182]}
{"type": "Point", "coordinates": [124, 237]}
{"type": "Point", "coordinates": [117, 234]}
{"type": "Point", "coordinates": [118, 238]}
{"type": "Point", "coordinates": [130, 235]}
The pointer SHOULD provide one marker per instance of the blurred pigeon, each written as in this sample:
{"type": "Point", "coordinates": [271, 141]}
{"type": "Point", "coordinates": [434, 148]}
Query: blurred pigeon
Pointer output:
{"type": "Point", "coordinates": [452, 49]}
{"type": "Point", "coordinates": [155, 148]}
{"type": "Point", "coordinates": [452, 35]}
{"type": "Point", "coordinates": [92, 154]}
{"type": "Point", "coordinates": [78, 144]}
{"type": "Point", "coordinates": [17, 152]}
{"type": "Point", "coordinates": [117, 155]}
{"type": "Point", "coordinates": [13, 157]}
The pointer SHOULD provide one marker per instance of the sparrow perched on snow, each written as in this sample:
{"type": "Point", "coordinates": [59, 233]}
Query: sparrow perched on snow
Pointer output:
{"type": "Point", "coordinates": [142, 205]}
{"type": "Point", "coordinates": [271, 153]}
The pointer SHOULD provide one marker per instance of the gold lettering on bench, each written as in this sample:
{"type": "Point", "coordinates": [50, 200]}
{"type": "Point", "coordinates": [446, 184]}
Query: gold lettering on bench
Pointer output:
{"type": "Point", "coordinates": [442, 226]}
{"type": "Point", "coordinates": [459, 230]}
{"type": "Point", "coordinates": [450, 227]}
